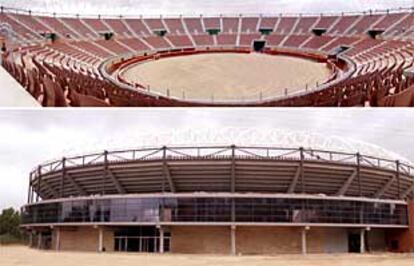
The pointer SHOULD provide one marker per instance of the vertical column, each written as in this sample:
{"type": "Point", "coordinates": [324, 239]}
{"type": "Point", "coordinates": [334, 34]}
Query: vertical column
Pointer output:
{"type": "Point", "coordinates": [361, 210]}
{"type": "Point", "coordinates": [164, 167]}
{"type": "Point", "coordinates": [362, 240]}
{"type": "Point", "coordinates": [397, 174]}
{"type": "Point", "coordinates": [105, 172]}
{"type": "Point", "coordinates": [29, 192]}
{"type": "Point", "coordinates": [30, 238]}
{"type": "Point", "coordinates": [57, 243]}
{"type": "Point", "coordinates": [233, 249]}
{"type": "Point", "coordinates": [161, 230]}
{"type": "Point", "coordinates": [302, 172]}
{"type": "Point", "coordinates": [359, 173]}
{"type": "Point", "coordinates": [39, 240]}
{"type": "Point", "coordinates": [100, 239]}
{"type": "Point", "coordinates": [62, 178]}
{"type": "Point", "coordinates": [233, 169]}
{"type": "Point", "coordinates": [32, 194]}
{"type": "Point", "coordinates": [39, 180]}
{"type": "Point", "coordinates": [31, 189]}
{"type": "Point", "coordinates": [302, 184]}
{"type": "Point", "coordinates": [233, 201]}
{"type": "Point", "coordinates": [304, 240]}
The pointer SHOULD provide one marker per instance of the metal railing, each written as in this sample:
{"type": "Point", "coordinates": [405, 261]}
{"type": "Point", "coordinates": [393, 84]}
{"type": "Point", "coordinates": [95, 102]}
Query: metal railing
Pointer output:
{"type": "Point", "coordinates": [222, 152]}
{"type": "Point", "coordinates": [25, 11]}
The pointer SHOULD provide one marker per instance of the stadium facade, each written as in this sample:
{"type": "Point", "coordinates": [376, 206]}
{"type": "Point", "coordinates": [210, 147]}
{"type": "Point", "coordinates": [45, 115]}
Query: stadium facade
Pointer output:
{"type": "Point", "coordinates": [222, 200]}
{"type": "Point", "coordinates": [64, 60]}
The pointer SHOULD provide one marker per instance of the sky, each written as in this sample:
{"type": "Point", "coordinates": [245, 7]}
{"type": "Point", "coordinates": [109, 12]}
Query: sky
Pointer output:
{"type": "Point", "coordinates": [206, 7]}
{"type": "Point", "coordinates": [31, 137]}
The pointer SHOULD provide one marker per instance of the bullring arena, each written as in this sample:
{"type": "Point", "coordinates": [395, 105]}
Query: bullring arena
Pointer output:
{"type": "Point", "coordinates": [222, 200]}
{"type": "Point", "coordinates": [242, 76]}
{"type": "Point", "coordinates": [347, 59]}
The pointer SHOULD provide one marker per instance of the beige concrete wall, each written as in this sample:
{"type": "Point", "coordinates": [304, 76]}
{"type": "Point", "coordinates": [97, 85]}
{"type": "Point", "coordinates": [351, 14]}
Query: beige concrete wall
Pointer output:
{"type": "Point", "coordinates": [268, 240]}
{"type": "Point", "coordinates": [327, 240]}
{"type": "Point", "coordinates": [200, 239]}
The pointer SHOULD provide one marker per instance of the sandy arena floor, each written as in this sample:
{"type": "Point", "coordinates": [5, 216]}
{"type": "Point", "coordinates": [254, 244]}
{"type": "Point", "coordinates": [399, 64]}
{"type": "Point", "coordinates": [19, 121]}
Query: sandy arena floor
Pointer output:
{"type": "Point", "coordinates": [228, 76]}
{"type": "Point", "coordinates": [18, 255]}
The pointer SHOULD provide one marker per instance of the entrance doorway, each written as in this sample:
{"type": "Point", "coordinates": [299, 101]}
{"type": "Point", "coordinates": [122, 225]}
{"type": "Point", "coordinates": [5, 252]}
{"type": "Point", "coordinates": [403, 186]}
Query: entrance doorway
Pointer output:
{"type": "Point", "coordinates": [354, 243]}
{"type": "Point", "coordinates": [140, 239]}
{"type": "Point", "coordinates": [259, 45]}
{"type": "Point", "coordinates": [42, 240]}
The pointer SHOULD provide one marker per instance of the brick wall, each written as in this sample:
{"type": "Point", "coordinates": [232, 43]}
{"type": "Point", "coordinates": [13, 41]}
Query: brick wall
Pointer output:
{"type": "Point", "coordinates": [200, 239]}
{"type": "Point", "coordinates": [404, 237]}
{"type": "Point", "coordinates": [256, 240]}
{"type": "Point", "coordinates": [268, 240]}
{"type": "Point", "coordinates": [108, 239]}
{"type": "Point", "coordinates": [316, 239]}
{"type": "Point", "coordinates": [249, 239]}
{"type": "Point", "coordinates": [82, 238]}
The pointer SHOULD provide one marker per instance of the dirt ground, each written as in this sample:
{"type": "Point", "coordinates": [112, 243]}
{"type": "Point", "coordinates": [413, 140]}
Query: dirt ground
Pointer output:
{"type": "Point", "coordinates": [228, 76]}
{"type": "Point", "coordinates": [19, 255]}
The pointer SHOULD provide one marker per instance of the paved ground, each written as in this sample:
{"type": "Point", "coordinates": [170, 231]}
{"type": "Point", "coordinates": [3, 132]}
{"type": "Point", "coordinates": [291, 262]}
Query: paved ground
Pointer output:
{"type": "Point", "coordinates": [228, 76]}
{"type": "Point", "coordinates": [12, 94]}
{"type": "Point", "coordinates": [18, 255]}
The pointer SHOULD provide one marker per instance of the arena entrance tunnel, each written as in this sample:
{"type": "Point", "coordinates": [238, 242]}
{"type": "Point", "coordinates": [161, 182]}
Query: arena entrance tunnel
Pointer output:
{"type": "Point", "coordinates": [259, 45]}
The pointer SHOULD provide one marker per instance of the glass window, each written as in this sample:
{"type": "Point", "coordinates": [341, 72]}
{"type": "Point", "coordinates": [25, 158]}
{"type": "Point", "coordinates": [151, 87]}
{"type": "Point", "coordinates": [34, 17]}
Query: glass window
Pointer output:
{"type": "Point", "coordinates": [259, 210]}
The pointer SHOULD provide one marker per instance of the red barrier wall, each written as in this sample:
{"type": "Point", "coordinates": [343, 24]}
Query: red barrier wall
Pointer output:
{"type": "Point", "coordinates": [404, 238]}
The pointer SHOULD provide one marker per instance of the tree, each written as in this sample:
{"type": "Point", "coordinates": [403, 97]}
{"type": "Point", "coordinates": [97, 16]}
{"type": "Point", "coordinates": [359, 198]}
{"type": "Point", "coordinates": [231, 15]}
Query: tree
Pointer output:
{"type": "Point", "coordinates": [10, 222]}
